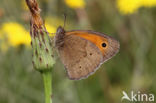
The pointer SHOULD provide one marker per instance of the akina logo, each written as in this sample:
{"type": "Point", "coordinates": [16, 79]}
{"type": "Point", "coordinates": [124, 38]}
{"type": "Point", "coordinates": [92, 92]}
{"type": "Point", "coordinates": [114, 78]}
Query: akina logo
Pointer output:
{"type": "Point", "coordinates": [138, 96]}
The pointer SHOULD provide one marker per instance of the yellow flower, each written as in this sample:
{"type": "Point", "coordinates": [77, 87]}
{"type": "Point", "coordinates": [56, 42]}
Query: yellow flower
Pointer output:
{"type": "Point", "coordinates": [15, 34]}
{"type": "Point", "coordinates": [51, 29]}
{"type": "Point", "coordinates": [75, 3]}
{"type": "Point", "coordinates": [130, 6]}
{"type": "Point", "coordinates": [51, 24]}
{"type": "Point", "coordinates": [54, 21]}
{"type": "Point", "coordinates": [148, 3]}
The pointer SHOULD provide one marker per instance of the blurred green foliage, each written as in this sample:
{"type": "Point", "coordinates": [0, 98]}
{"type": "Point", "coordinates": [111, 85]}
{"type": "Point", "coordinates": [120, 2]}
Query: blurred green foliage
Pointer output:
{"type": "Point", "coordinates": [133, 68]}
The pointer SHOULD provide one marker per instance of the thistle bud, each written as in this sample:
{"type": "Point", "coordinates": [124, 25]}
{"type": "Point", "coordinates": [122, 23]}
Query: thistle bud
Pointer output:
{"type": "Point", "coordinates": [40, 40]}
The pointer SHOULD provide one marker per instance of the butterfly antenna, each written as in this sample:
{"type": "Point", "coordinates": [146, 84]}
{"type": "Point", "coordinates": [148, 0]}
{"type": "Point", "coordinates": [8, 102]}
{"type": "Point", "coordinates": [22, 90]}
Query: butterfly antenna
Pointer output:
{"type": "Point", "coordinates": [64, 20]}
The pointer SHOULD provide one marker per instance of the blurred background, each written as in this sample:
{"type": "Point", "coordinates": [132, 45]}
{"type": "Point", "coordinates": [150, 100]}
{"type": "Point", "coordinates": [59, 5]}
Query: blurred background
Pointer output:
{"type": "Point", "coordinates": [132, 22]}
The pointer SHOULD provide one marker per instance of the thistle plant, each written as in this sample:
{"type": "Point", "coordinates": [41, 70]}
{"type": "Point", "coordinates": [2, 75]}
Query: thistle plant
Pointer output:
{"type": "Point", "coordinates": [42, 48]}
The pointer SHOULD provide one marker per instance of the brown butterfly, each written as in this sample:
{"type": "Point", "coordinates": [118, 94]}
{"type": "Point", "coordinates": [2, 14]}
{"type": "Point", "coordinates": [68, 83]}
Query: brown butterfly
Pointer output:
{"type": "Point", "coordinates": [83, 51]}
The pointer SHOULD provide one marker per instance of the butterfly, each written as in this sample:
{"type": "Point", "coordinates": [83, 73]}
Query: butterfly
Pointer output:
{"type": "Point", "coordinates": [83, 51]}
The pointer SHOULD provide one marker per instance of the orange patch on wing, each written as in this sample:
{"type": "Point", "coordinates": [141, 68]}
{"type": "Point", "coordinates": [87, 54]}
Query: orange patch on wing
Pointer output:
{"type": "Point", "coordinates": [96, 39]}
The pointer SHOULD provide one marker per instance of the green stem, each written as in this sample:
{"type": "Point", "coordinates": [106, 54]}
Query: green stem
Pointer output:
{"type": "Point", "coordinates": [47, 79]}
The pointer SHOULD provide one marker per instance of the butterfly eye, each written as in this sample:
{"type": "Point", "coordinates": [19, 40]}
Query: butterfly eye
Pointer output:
{"type": "Point", "coordinates": [104, 45]}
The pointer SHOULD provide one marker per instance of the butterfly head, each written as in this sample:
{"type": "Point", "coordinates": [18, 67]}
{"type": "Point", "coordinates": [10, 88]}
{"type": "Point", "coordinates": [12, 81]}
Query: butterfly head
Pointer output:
{"type": "Point", "coordinates": [60, 30]}
{"type": "Point", "coordinates": [59, 36]}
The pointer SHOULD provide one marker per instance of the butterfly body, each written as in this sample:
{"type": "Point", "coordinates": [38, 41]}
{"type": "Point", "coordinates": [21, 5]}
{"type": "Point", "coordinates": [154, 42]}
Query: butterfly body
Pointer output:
{"type": "Point", "coordinates": [83, 51]}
